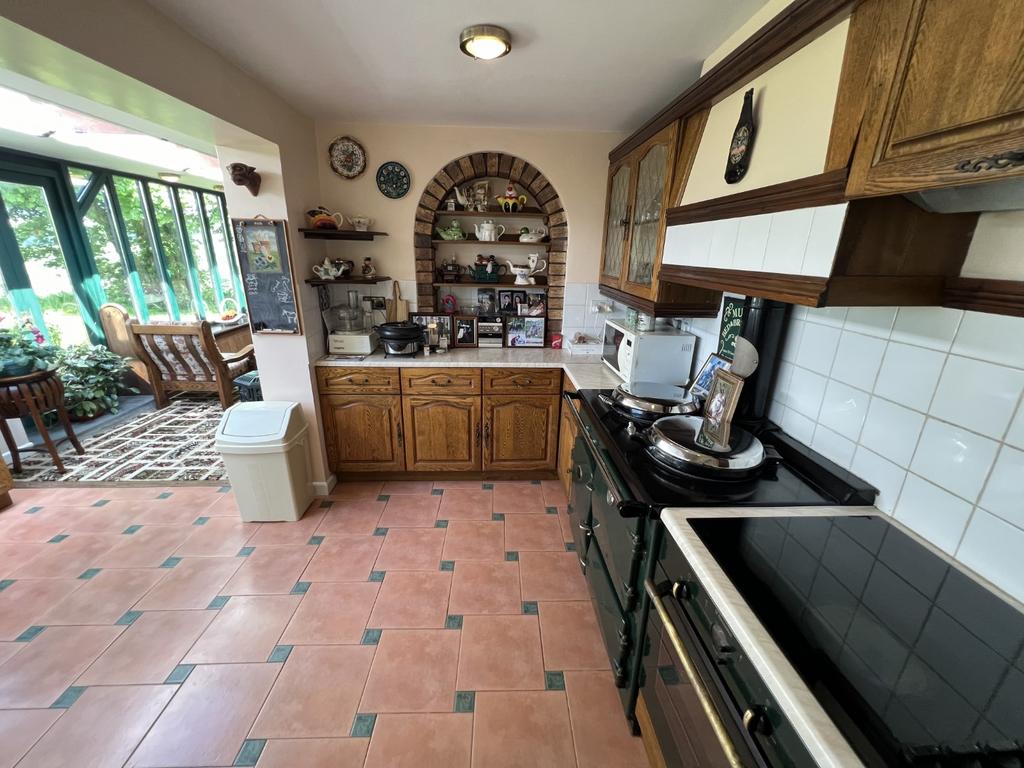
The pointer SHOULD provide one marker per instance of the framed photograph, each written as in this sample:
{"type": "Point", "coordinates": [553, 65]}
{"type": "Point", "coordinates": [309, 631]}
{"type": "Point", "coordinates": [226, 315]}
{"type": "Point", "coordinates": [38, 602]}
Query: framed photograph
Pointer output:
{"type": "Point", "coordinates": [522, 331]}
{"type": "Point", "coordinates": [702, 384]}
{"type": "Point", "coordinates": [723, 395]}
{"type": "Point", "coordinates": [537, 304]}
{"type": "Point", "coordinates": [519, 302]}
{"type": "Point", "coordinates": [439, 324]}
{"type": "Point", "coordinates": [488, 300]}
{"type": "Point", "coordinates": [465, 331]}
{"type": "Point", "coordinates": [505, 302]}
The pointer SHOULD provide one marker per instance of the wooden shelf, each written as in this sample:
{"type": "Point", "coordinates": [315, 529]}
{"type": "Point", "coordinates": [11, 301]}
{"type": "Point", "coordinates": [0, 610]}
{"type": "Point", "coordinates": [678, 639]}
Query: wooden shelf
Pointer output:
{"type": "Point", "coordinates": [340, 234]}
{"type": "Point", "coordinates": [513, 240]}
{"type": "Point", "coordinates": [525, 213]}
{"type": "Point", "coordinates": [354, 280]}
{"type": "Point", "coordinates": [504, 281]}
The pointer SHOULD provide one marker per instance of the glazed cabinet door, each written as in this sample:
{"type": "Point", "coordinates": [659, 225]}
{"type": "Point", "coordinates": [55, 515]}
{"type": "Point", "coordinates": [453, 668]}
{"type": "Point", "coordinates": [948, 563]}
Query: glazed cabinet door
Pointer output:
{"type": "Point", "coordinates": [520, 431]}
{"type": "Point", "coordinates": [616, 233]}
{"type": "Point", "coordinates": [654, 164]}
{"type": "Point", "coordinates": [442, 434]}
{"type": "Point", "coordinates": [363, 432]}
{"type": "Point", "coordinates": [947, 104]}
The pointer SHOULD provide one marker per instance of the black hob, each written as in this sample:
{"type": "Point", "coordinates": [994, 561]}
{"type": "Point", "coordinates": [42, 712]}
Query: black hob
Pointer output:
{"type": "Point", "coordinates": [792, 476]}
{"type": "Point", "coordinates": [917, 664]}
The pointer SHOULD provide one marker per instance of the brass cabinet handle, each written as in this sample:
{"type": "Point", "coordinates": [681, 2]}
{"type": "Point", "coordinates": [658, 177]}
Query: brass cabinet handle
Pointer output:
{"type": "Point", "coordinates": [487, 432]}
{"type": "Point", "coordinates": [401, 437]}
{"type": "Point", "coordinates": [724, 740]}
{"type": "Point", "coordinates": [444, 383]}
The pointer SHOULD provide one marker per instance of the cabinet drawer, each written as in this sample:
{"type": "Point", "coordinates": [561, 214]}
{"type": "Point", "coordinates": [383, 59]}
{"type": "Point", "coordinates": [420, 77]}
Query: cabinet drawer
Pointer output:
{"type": "Point", "coordinates": [382, 381]}
{"type": "Point", "coordinates": [436, 381]}
{"type": "Point", "coordinates": [521, 381]}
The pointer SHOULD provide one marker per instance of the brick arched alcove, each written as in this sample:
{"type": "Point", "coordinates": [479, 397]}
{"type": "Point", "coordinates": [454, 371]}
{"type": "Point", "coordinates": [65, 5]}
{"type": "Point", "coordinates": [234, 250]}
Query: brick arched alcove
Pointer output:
{"type": "Point", "coordinates": [528, 179]}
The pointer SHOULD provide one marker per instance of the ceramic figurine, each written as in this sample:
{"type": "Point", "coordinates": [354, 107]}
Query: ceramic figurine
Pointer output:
{"type": "Point", "coordinates": [245, 176]}
{"type": "Point", "coordinates": [325, 271]}
{"type": "Point", "coordinates": [452, 232]}
{"type": "Point", "coordinates": [510, 202]}
{"type": "Point", "coordinates": [368, 269]}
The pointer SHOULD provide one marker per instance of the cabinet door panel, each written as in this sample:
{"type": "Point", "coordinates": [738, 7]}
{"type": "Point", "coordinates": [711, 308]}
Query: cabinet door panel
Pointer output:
{"type": "Point", "coordinates": [617, 224]}
{"type": "Point", "coordinates": [442, 434]}
{"type": "Point", "coordinates": [520, 431]}
{"type": "Point", "coordinates": [363, 432]}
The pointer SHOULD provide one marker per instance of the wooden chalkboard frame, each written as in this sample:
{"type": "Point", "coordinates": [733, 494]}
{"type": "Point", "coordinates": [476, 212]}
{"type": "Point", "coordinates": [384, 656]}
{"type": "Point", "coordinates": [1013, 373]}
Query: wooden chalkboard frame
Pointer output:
{"type": "Point", "coordinates": [259, 284]}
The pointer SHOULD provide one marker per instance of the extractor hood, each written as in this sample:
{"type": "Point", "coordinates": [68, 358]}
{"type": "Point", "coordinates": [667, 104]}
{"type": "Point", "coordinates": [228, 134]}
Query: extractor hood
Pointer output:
{"type": "Point", "coordinates": [1005, 195]}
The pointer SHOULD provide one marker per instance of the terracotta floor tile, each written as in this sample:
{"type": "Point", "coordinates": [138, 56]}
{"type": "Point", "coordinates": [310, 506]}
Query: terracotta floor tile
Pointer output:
{"type": "Point", "coordinates": [14, 554]}
{"type": "Point", "coordinates": [285, 533]}
{"type": "Point", "coordinates": [102, 728]}
{"type": "Point", "coordinates": [246, 629]}
{"type": "Point", "coordinates": [554, 493]}
{"type": "Point", "coordinates": [411, 549]}
{"type": "Point", "coordinates": [413, 670]}
{"type": "Point", "coordinates": [421, 741]}
{"type": "Point", "coordinates": [191, 584]}
{"type": "Point", "coordinates": [9, 649]}
{"type": "Point", "coordinates": [69, 497]}
{"type": "Point", "coordinates": [403, 487]}
{"type": "Point", "coordinates": [146, 548]}
{"type": "Point", "coordinates": [566, 524]}
{"type": "Point", "coordinates": [412, 600]}
{"type": "Point", "coordinates": [160, 512]}
{"type": "Point", "coordinates": [68, 558]}
{"type": "Point", "coordinates": [600, 731]}
{"type": "Point", "coordinates": [522, 728]}
{"type": "Point", "coordinates": [466, 505]}
{"type": "Point", "coordinates": [21, 527]}
{"type": "Point", "coordinates": [533, 532]}
{"type": "Point", "coordinates": [344, 558]}
{"type": "Point", "coordinates": [22, 603]}
{"type": "Point", "coordinates": [479, 587]}
{"type": "Point", "coordinates": [332, 614]}
{"type": "Point", "coordinates": [316, 694]}
{"type": "Point", "coordinates": [98, 519]}
{"type": "Point", "coordinates": [217, 537]}
{"type": "Point", "coordinates": [209, 717]}
{"type": "Point", "coordinates": [458, 485]}
{"type": "Point", "coordinates": [149, 649]}
{"type": "Point", "coordinates": [414, 511]}
{"type": "Point", "coordinates": [104, 598]}
{"type": "Point", "coordinates": [199, 497]}
{"type": "Point", "coordinates": [51, 662]}
{"type": "Point", "coordinates": [570, 636]}
{"type": "Point", "coordinates": [518, 498]}
{"type": "Point", "coordinates": [131, 491]}
{"type": "Point", "coordinates": [20, 729]}
{"type": "Point", "coordinates": [226, 505]}
{"type": "Point", "coordinates": [552, 576]}
{"type": "Point", "coordinates": [270, 571]}
{"type": "Point", "coordinates": [500, 653]}
{"type": "Point", "coordinates": [314, 753]}
{"type": "Point", "coordinates": [368, 490]}
{"type": "Point", "coordinates": [355, 517]}
{"type": "Point", "coordinates": [475, 540]}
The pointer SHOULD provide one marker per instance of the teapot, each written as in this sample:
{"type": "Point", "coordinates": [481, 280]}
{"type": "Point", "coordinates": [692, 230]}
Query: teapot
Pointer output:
{"type": "Point", "coordinates": [452, 232]}
{"type": "Point", "coordinates": [488, 231]}
{"type": "Point", "coordinates": [522, 273]}
{"type": "Point", "coordinates": [510, 202]}
{"type": "Point", "coordinates": [532, 235]}
{"type": "Point", "coordinates": [327, 270]}
{"type": "Point", "coordinates": [321, 218]}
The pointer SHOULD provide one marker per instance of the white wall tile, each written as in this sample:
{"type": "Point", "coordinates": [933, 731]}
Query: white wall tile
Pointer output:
{"type": "Point", "coordinates": [843, 409]}
{"type": "Point", "coordinates": [791, 344]}
{"type": "Point", "coordinates": [818, 347]}
{"type": "Point", "coordinates": [787, 241]}
{"type": "Point", "coordinates": [834, 316]}
{"type": "Point", "coordinates": [932, 327]}
{"type": "Point", "coordinates": [873, 321]}
{"type": "Point", "coordinates": [783, 383]}
{"type": "Point", "coordinates": [979, 396]}
{"type": "Point", "coordinates": [935, 514]}
{"type": "Point", "coordinates": [798, 426]}
{"type": "Point", "coordinates": [1015, 436]}
{"type": "Point", "coordinates": [833, 446]}
{"type": "Point", "coordinates": [751, 241]}
{"type": "Point", "coordinates": [687, 245]}
{"type": "Point", "coordinates": [993, 549]}
{"type": "Point", "coordinates": [575, 294]}
{"type": "Point", "coordinates": [883, 474]}
{"type": "Point", "coordinates": [1003, 494]}
{"type": "Point", "coordinates": [909, 375]}
{"type": "Point", "coordinates": [776, 411]}
{"type": "Point", "coordinates": [826, 227]}
{"type": "Point", "coordinates": [574, 316]}
{"type": "Point", "coordinates": [858, 359]}
{"type": "Point", "coordinates": [892, 430]}
{"type": "Point", "coordinates": [806, 391]}
{"type": "Point", "coordinates": [996, 338]}
{"type": "Point", "coordinates": [954, 458]}
{"type": "Point", "coordinates": [723, 243]}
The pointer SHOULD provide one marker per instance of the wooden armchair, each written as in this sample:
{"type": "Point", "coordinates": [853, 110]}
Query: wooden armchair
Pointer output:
{"type": "Point", "coordinates": [184, 358]}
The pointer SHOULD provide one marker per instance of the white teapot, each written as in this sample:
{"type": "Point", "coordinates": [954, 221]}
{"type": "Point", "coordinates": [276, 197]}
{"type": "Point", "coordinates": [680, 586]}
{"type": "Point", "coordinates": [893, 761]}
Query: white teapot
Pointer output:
{"type": "Point", "coordinates": [487, 231]}
{"type": "Point", "coordinates": [326, 271]}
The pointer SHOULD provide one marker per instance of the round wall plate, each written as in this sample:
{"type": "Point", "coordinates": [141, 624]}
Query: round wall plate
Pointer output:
{"type": "Point", "coordinates": [347, 156]}
{"type": "Point", "coordinates": [393, 180]}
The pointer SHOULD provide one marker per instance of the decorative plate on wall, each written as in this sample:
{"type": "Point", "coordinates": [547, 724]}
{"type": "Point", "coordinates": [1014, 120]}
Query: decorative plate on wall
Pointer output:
{"type": "Point", "coordinates": [348, 158]}
{"type": "Point", "coordinates": [393, 180]}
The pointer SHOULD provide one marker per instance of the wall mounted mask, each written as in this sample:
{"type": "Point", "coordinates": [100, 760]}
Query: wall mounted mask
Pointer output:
{"type": "Point", "coordinates": [245, 176]}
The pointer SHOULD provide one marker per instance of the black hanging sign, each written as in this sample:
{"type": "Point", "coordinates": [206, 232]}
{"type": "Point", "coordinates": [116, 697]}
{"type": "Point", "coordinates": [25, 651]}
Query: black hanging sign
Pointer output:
{"type": "Point", "coordinates": [265, 263]}
{"type": "Point", "coordinates": [732, 322]}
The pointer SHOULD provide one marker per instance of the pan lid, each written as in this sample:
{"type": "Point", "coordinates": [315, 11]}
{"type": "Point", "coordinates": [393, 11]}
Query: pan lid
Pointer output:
{"type": "Point", "coordinates": [674, 438]}
{"type": "Point", "coordinates": [653, 399]}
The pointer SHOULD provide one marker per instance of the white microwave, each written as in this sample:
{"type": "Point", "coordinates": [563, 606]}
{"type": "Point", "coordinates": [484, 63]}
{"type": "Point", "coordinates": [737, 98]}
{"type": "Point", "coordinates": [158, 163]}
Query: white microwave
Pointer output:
{"type": "Point", "coordinates": [662, 356]}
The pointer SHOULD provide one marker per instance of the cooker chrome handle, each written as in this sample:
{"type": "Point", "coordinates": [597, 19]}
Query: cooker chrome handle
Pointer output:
{"type": "Point", "coordinates": [724, 740]}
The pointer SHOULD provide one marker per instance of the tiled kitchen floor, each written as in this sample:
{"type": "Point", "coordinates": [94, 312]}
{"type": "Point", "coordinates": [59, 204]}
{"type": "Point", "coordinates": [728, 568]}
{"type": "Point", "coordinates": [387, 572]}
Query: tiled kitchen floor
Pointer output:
{"type": "Point", "coordinates": [397, 624]}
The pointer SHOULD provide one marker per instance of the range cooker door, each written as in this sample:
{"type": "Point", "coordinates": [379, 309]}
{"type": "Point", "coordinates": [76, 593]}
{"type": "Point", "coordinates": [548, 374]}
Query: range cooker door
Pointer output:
{"type": "Point", "coordinates": [617, 626]}
{"type": "Point", "coordinates": [621, 540]}
{"type": "Point", "coordinates": [580, 497]}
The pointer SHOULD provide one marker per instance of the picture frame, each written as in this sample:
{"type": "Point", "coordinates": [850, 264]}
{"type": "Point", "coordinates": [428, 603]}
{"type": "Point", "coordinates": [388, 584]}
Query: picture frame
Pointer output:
{"type": "Point", "coordinates": [520, 303]}
{"type": "Point", "coordinates": [723, 396]}
{"type": "Point", "coordinates": [505, 302]}
{"type": "Point", "coordinates": [524, 331]}
{"type": "Point", "coordinates": [702, 382]}
{"type": "Point", "coordinates": [488, 301]}
{"type": "Point", "coordinates": [537, 304]}
{"type": "Point", "coordinates": [442, 322]}
{"type": "Point", "coordinates": [264, 261]}
{"type": "Point", "coordinates": [465, 334]}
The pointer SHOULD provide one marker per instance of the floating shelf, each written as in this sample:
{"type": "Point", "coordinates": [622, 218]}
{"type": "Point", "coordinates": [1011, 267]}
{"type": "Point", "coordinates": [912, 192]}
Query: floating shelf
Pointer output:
{"type": "Point", "coordinates": [526, 213]}
{"type": "Point", "coordinates": [340, 234]}
{"type": "Point", "coordinates": [354, 280]}
{"type": "Point", "coordinates": [505, 281]}
{"type": "Point", "coordinates": [514, 241]}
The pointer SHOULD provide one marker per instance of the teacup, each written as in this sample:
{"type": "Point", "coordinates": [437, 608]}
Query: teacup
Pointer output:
{"type": "Point", "coordinates": [361, 223]}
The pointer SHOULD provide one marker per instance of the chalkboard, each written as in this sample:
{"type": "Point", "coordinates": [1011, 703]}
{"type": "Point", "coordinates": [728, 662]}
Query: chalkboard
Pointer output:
{"type": "Point", "coordinates": [732, 321]}
{"type": "Point", "coordinates": [265, 264]}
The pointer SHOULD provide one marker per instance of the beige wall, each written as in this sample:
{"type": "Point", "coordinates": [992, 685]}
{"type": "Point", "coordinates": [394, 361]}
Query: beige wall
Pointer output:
{"type": "Point", "coordinates": [766, 13]}
{"type": "Point", "coordinates": [575, 163]}
{"type": "Point", "coordinates": [996, 251]}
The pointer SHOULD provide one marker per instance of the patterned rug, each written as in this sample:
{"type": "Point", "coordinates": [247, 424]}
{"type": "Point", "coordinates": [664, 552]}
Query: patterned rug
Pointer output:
{"type": "Point", "coordinates": [170, 445]}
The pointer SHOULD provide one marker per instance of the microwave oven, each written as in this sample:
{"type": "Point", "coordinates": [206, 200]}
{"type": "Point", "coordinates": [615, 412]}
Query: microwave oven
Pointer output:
{"type": "Point", "coordinates": [662, 356]}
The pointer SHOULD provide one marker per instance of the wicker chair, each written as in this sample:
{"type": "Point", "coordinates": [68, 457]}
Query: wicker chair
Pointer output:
{"type": "Point", "coordinates": [184, 358]}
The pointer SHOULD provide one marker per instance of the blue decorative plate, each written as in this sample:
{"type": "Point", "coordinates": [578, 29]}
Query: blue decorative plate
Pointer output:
{"type": "Point", "coordinates": [393, 180]}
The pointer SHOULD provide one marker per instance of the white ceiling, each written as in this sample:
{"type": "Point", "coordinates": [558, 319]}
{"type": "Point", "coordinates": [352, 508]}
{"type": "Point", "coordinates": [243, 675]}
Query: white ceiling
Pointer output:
{"type": "Point", "coordinates": [597, 65]}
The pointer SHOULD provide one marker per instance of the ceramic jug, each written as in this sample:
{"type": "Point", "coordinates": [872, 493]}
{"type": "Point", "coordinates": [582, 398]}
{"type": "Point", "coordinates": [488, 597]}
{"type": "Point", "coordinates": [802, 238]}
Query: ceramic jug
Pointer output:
{"type": "Point", "coordinates": [489, 231]}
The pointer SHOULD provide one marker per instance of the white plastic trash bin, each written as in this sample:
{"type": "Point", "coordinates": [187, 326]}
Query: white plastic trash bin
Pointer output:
{"type": "Point", "coordinates": [266, 453]}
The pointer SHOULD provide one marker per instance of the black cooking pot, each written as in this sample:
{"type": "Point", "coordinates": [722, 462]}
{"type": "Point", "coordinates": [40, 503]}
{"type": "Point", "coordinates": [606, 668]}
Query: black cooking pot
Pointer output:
{"type": "Point", "coordinates": [401, 338]}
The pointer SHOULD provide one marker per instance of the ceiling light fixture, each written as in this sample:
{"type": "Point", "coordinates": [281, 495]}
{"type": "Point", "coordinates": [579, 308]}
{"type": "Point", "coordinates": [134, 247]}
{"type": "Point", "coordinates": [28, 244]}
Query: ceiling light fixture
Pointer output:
{"type": "Point", "coordinates": [485, 41]}
{"type": "Point", "coordinates": [171, 177]}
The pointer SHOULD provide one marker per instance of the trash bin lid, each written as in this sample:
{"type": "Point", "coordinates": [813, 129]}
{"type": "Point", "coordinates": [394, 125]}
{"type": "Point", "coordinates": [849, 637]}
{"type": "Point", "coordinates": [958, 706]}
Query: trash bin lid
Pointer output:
{"type": "Point", "coordinates": [266, 424]}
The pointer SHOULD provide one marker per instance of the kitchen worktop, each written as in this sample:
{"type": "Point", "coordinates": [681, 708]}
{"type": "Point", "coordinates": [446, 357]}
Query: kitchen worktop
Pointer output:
{"type": "Point", "coordinates": [585, 372]}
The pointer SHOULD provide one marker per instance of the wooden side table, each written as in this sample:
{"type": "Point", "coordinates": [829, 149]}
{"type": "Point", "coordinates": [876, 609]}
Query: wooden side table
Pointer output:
{"type": "Point", "coordinates": [33, 395]}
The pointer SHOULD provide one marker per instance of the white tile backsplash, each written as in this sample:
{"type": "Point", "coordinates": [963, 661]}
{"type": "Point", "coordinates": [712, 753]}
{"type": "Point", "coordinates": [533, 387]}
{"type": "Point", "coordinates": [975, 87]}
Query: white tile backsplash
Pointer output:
{"type": "Point", "coordinates": [1003, 495]}
{"type": "Point", "coordinates": [833, 446]}
{"type": "Point", "coordinates": [953, 458]}
{"type": "Point", "coordinates": [936, 514]}
{"type": "Point", "coordinates": [826, 228]}
{"type": "Point", "coordinates": [723, 242]}
{"type": "Point", "coordinates": [932, 327]}
{"type": "Point", "coordinates": [993, 547]}
{"type": "Point", "coordinates": [887, 477]}
{"type": "Point", "coordinates": [1015, 435]}
{"type": "Point", "coordinates": [843, 409]}
{"type": "Point", "coordinates": [787, 241]}
{"type": "Point", "coordinates": [892, 430]}
{"type": "Point", "coordinates": [909, 375]}
{"type": "Point", "coordinates": [872, 321]}
{"type": "Point", "coordinates": [751, 242]}
{"type": "Point", "coordinates": [806, 391]}
{"type": "Point", "coordinates": [818, 347]}
{"type": "Point", "coordinates": [858, 359]}
{"type": "Point", "coordinates": [996, 338]}
{"type": "Point", "coordinates": [966, 384]}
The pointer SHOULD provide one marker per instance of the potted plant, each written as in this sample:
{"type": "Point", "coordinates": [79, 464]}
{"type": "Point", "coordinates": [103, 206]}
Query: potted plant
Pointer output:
{"type": "Point", "coordinates": [23, 349]}
{"type": "Point", "coordinates": [92, 378]}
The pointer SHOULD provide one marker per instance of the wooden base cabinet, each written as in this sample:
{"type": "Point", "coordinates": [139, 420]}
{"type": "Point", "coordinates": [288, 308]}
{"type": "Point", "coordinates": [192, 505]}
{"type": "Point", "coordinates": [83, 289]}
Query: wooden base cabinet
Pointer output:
{"type": "Point", "coordinates": [442, 434]}
{"type": "Point", "coordinates": [363, 432]}
{"type": "Point", "coordinates": [520, 431]}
